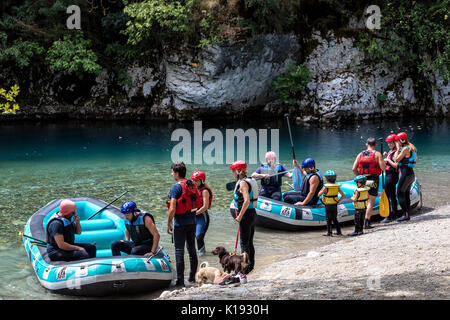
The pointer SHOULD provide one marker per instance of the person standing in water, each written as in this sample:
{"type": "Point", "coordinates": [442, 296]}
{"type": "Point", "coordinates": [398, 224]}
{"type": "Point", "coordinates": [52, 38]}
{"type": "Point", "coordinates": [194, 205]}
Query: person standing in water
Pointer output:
{"type": "Point", "coordinates": [245, 200]}
{"type": "Point", "coordinates": [391, 177]}
{"type": "Point", "coordinates": [205, 197]}
{"type": "Point", "coordinates": [271, 186]}
{"type": "Point", "coordinates": [370, 164]}
{"type": "Point", "coordinates": [406, 157]}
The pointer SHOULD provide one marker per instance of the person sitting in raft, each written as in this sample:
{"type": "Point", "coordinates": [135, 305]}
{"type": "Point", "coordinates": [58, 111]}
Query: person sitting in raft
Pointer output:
{"type": "Point", "coordinates": [311, 185]}
{"type": "Point", "coordinates": [330, 199]}
{"type": "Point", "coordinates": [205, 197]}
{"type": "Point", "coordinates": [61, 230]}
{"type": "Point", "coordinates": [360, 200]}
{"type": "Point", "coordinates": [271, 186]}
{"type": "Point", "coordinates": [140, 228]}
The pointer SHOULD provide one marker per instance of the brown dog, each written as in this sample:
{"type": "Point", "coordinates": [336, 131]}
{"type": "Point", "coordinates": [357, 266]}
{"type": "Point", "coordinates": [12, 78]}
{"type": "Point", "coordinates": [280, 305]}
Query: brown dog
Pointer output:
{"type": "Point", "coordinates": [231, 262]}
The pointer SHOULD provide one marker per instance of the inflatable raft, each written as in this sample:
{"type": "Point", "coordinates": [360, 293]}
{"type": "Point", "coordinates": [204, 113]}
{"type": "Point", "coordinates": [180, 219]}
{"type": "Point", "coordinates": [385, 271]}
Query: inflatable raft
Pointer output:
{"type": "Point", "coordinates": [284, 216]}
{"type": "Point", "coordinates": [101, 276]}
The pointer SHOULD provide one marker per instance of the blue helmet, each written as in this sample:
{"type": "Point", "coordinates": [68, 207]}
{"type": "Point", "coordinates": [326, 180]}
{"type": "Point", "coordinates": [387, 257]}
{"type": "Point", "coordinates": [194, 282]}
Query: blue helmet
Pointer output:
{"type": "Point", "coordinates": [330, 173]}
{"type": "Point", "coordinates": [360, 178]}
{"type": "Point", "coordinates": [308, 163]}
{"type": "Point", "coordinates": [128, 207]}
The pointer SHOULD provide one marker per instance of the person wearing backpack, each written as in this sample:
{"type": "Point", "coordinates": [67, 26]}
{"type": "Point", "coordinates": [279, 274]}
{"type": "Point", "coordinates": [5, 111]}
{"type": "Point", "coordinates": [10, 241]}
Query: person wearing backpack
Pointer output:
{"type": "Point", "coordinates": [182, 204]}
{"type": "Point", "coordinates": [370, 163]}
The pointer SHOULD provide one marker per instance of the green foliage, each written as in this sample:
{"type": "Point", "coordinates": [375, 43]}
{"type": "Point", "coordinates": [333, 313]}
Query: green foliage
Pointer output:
{"type": "Point", "coordinates": [20, 53]}
{"type": "Point", "coordinates": [414, 36]}
{"type": "Point", "coordinates": [151, 17]}
{"type": "Point", "coordinates": [210, 30]}
{"type": "Point", "coordinates": [292, 84]}
{"type": "Point", "coordinates": [8, 100]}
{"type": "Point", "coordinates": [73, 55]}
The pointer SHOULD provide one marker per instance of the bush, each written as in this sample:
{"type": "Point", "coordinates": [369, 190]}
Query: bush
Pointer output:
{"type": "Point", "coordinates": [292, 84]}
{"type": "Point", "coordinates": [8, 100]}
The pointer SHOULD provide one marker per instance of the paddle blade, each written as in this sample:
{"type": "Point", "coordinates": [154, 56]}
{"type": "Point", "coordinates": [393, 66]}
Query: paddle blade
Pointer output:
{"type": "Point", "coordinates": [297, 179]}
{"type": "Point", "coordinates": [384, 205]}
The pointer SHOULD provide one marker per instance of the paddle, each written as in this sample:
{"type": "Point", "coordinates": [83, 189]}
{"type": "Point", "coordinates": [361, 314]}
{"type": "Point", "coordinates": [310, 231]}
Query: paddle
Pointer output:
{"type": "Point", "coordinates": [296, 174]}
{"type": "Point", "coordinates": [384, 201]}
{"type": "Point", "coordinates": [33, 238]}
{"type": "Point", "coordinates": [107, 205]}
{"type": "Point", "coordinates": [230, 185]}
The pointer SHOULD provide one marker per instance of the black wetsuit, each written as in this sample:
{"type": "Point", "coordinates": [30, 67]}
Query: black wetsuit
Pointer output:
{"type": "Point", "coordinates": [391, 187]}
{"type": "Point", "coordinates": [404, 188]}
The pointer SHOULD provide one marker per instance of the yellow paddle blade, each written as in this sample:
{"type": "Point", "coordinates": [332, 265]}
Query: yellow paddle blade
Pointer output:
{"type": "Point", "coordinates": [384, 205]}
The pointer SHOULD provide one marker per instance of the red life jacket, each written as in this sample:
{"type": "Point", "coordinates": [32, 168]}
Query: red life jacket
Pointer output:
{"type": "Point", "coordinates": [188, 199]}
{"type": "Point", "coordinates": [368, 164]}
{"type": "Point", "coordinates": [390, 156]}
{"type": "Point", "coordinates": [200, 195]}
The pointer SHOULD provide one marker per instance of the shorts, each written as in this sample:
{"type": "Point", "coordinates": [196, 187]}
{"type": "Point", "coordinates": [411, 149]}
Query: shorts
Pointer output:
{"type": "Point", "coordinates": [373, 184]}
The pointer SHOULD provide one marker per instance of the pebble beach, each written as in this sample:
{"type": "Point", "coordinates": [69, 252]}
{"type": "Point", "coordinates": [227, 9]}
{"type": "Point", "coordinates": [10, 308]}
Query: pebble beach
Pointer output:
{"type": "Point", "coordinates": [408, 260]}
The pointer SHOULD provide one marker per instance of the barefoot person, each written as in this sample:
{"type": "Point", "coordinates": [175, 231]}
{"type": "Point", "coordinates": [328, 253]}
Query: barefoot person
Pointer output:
{"type": "Point", "coordinates": [406, 157]}
{"type": "Point", "coordinates": [205, 196]}
{"type": "Point", "coordinates": [370, 163]}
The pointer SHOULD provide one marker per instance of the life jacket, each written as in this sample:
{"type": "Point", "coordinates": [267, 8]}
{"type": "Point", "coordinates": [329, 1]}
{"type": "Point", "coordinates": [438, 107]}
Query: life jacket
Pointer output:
{"type": "Point", "coordinates": [331, 196]}
{"type": "Point", "coordinates": [68, 233]}
{"type": "Point", "coordinates": [368, 164]}
{"type": "Point", "coordinates": [137, 229]}
{"type": "Point", "coordinates": [200, 196]}
{"type": "Point", "coordinates": [305, 186]}
{"type": "Point", "coordinates": [253, 193]}
{"type": "Point", "coordinates": [408, 162]}
{"type": "Point", "coordinates": [188, 199]}
{"type": "Point", "coordinates": [274, 182]}
{"type": "Point", "coordinates": [390, 156]}
{"type": "Point", "coordinates": [361, 202]}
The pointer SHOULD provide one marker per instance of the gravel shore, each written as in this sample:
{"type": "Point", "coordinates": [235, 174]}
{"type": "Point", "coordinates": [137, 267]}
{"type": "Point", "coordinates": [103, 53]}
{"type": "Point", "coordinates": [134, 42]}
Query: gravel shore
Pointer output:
{"type": "Point", "coordinates": [409, 260]}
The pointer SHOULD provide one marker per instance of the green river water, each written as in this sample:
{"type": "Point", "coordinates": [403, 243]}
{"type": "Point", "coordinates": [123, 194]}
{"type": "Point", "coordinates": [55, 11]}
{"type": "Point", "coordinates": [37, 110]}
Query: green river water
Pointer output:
{"type": "Point", "coordinates": [45, 161]}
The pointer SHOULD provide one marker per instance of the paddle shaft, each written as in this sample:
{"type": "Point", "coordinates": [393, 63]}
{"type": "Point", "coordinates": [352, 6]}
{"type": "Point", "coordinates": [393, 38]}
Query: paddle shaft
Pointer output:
{"type": "Point", "coordinates": [290, 135]}
{"type": "Point", "coordinates": [382, 177]}
{"type": "Point", "coordinates": [33, 238]}
{"type": "Point", "coordinates": [107, 205]}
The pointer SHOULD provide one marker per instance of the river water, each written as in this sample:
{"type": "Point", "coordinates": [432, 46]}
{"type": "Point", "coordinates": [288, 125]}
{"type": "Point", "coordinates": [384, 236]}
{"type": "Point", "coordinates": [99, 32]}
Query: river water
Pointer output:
{"type": "Point", "coordinates": [40, 162]}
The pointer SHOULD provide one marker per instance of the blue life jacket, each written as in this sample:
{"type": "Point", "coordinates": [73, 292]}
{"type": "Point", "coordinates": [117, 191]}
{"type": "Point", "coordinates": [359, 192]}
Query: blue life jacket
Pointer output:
{"type": "Point", "coordinates": [253, 194]}
{"type": "Point", "coordinates": [138, 231]}
{"type": "Point", "coordinates": [305, 187]}
{"type": "Point", "coordinates": [272, 182]}
{"type": "Point", "coordinates": [68, 230]}
{"type": "Point", "coordinates": [411, 161]}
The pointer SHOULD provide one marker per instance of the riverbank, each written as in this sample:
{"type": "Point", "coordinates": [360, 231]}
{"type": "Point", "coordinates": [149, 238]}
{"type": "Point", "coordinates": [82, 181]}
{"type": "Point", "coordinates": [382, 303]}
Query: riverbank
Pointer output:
{"type": "Point", "coordinates": [392, 261]}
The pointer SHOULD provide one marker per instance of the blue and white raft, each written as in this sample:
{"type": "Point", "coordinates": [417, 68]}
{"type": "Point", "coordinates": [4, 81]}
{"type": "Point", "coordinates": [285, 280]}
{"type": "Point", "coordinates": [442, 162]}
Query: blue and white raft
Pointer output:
{"type": "Point", "coordinates": [284, 216]}
{"type": "Point", "coordinates": [101, 276]}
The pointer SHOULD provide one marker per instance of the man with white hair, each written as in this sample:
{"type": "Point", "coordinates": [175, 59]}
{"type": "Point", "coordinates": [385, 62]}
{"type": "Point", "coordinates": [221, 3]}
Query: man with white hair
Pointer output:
{"type": "Point", "coordinates": [271, 183]}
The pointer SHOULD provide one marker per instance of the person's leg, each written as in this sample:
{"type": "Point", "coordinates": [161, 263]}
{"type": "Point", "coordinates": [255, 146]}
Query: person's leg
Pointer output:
{"type": "Point", "coordinates": [335, 220]}
{"type": "Point", "coordinates": [200, 232]}
{"type": "Point", "coordinates": [328, 217]}
{"type": "Point", "coordinates": [293, 197]}
{"type": "Point", "coordinates": [90, 249]}
{"type": "Point", "coordinates": [276, 195]}
{"type": "Point", "coordinates": [121, 246]}
{"type": "Point", "coordinates": [368, 213]}
{"type": "Point", "coordinates": [179, 239]}
{"type": "Point", "coordinates": [141, 249]}
{"type": "Point", "coordinates": [357, 224]}
{"type": "Point", "coordinates": [63, 255]}
{"type": "Point", "coordinates": [247, 232]}
{"type": "Point", "coordinates": [190, 245]}
{"type": "Point", "coordinates": [390, 189]}
{"type": "Point", "coordinates": [403, 193]}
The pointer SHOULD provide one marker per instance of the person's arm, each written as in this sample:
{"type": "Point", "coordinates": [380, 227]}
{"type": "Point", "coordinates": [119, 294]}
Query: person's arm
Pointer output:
{"type": "Point", "coordinates": [59, 239]}
{"type": "Point", "coordinates": [243, 187]}
{"type": "Point", "coordinates": [355, 165]}
{"type": "Point", "coordinates": [257, 174]}
{"type": "Point", "coordinates": [77, 224]}
{"type": "Point", "coordinates": [391, 163]}
{"type": "Point", "coordinates": [399, 156]}
{"type": "Point", "coordinates": [355, 196]}
{"type": "Point", "coordinates": [172, 209]}
{"type": "Point", "coordinates": [342, 195]}
{"type": "Point", "coordinates": [313, 185]}
{"type": "Point", "coordinates": [381, 162]}
{"type": "Point", "coordinates": [127, 235]}
{"type": "Point", "coordinates": [205, 196]}
{"type": "Point", "coordinates": [322, 191]}
{"type": "Point", "coordinates": [152, 228]}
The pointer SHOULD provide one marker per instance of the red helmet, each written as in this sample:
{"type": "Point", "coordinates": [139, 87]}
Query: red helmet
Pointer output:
{"type": "Point", "coordinates": [67, 206]}
{"type": "Point", "coordinates": [402, 136]}
{"type": "Point", "coordinates": [198, 175]}
{"type": "Point", "coordinates": [238, 165]}
{"type": "Point", "coordinates": [391, 138]}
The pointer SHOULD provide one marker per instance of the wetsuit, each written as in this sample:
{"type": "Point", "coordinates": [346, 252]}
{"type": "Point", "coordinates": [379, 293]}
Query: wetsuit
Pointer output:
{"type": "Point", "coordinates": [391, 185]}
{"type": "Point", "coordinates": [407, 178]}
